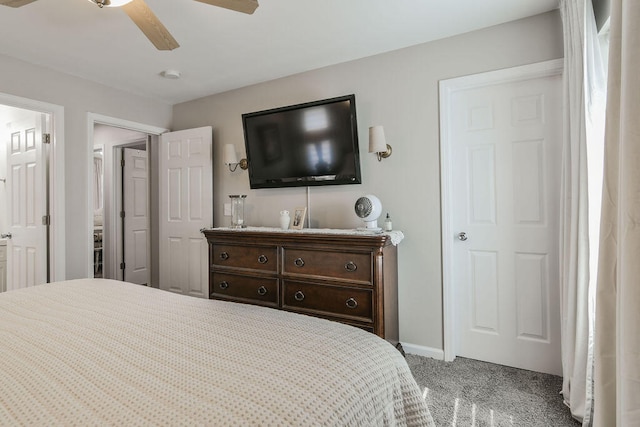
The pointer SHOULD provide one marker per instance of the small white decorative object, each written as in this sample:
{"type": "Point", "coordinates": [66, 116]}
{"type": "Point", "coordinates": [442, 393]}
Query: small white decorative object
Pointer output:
{"type": "Point", "coordinates": [285, 219]}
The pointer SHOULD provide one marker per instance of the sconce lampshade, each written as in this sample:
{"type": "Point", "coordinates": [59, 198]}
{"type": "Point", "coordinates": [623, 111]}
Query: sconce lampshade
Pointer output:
{"type": "Point", "coordinates": [377, 141]}
{"type": "Point", "coordinates": [230, 157]}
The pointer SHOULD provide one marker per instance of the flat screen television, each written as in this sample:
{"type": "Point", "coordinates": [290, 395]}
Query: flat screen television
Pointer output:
{"type": "Point", "coordinates": [309, 144]}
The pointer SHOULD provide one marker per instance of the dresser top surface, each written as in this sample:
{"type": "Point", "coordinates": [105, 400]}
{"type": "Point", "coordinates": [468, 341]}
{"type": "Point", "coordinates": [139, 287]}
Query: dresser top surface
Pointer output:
{"type": "Point", "coordinates": [318, 234]}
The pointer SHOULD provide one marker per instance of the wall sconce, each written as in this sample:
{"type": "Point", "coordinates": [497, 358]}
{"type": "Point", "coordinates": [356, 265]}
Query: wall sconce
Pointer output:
{"type": "Point", "coordinates": [231, 160]}
{"type": "Point", "coordinates": [378, 143]}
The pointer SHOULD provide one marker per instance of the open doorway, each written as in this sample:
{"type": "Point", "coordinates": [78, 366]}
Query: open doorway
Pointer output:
{"type": "Point", "coordinates": [31, 204]}
{"type": "Point", "coordinates": [122, 239]}
{"type": "Point", "coordinates": [121, 216]}
{"type": "Point", "coordinates": [187, 152]}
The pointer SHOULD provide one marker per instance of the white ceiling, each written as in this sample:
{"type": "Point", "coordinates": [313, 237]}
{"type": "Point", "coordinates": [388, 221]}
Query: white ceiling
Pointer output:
{"type": "Point", "coordinates": [222, 50]}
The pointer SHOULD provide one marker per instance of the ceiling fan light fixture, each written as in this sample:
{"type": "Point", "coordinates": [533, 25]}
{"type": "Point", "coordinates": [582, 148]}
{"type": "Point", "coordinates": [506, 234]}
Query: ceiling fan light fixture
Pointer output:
{"type": "Point", "coordinates": [110, 3]}
{"type": "Point", "coordinates": [118, 3]}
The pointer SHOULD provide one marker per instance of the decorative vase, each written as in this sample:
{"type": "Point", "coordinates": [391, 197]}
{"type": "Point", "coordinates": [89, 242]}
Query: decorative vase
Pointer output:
{"type": "Point", "coordinates": [237, 210]}
{"type": "Point", "coordinates": [285, 219]}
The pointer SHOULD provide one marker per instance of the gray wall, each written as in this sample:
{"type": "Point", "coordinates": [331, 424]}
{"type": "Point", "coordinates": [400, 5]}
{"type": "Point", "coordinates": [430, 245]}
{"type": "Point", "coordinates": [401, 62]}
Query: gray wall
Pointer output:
{"type": "Point", "coordinates": [78, 97]}
{"type": "Point", "coordinates": [400, 91]}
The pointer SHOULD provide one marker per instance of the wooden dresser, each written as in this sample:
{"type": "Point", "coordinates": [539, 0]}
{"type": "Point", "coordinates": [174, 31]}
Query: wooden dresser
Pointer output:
{"type": "Point", "coordinates": [348, 278]}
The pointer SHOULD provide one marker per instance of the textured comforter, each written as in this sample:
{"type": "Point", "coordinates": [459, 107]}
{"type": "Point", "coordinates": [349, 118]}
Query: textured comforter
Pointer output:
{"type": "Point", "coordinates": [101, 352]}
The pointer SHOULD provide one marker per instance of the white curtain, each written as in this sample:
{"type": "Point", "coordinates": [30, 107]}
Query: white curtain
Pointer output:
{"type": "Point", "coordinates": [584, 85]}
{"type": "Point", "coordinates": [617, 340]}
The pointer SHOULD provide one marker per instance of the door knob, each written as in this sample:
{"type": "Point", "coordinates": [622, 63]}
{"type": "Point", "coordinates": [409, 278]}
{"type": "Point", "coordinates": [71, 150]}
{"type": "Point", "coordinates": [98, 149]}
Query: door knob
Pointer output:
{"type": "Point", "coordinates": [462, 236]}
{"type": "Point", "coordinates": [5, 236]}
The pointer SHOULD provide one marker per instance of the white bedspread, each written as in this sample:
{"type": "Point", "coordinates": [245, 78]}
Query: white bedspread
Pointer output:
{"type": "Point", "coordinates": [101, 352]}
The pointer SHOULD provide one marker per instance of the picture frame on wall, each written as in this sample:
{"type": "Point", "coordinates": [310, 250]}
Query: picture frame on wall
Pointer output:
{"type": "Point", "coordinates": [298, 218]}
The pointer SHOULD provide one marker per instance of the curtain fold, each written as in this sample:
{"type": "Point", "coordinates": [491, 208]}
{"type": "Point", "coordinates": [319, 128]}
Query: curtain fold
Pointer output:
{"type": "Point", "coordinates": [583, 84]}
{"type": "Point", "coordinates": [617, 334]}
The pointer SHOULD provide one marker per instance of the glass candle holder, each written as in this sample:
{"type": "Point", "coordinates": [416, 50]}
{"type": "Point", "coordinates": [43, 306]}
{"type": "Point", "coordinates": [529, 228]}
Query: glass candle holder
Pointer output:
{"type": "Point", "coordinates": [237, 210]}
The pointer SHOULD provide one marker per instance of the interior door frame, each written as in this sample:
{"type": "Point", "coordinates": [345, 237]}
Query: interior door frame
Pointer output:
{"type": "Point", "coordinates": [92, 120]}
{"type": "Point", "coordinates": [448, 166]}
{"type": "Point", "coordinates": [57, 240]}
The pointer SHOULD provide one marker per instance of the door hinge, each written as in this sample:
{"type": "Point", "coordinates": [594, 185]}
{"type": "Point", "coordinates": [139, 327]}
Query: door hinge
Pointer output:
{"type": "Point", "coordinates": [122, 266]}
{"type": "Point", "coordinates": [46, 138]}
{"type": "Point", "coordinates": [46, 220]}
{"type": "Point", "coordinates": [122, 214]}
{"type": "Point", "coordinates": [121, 163]}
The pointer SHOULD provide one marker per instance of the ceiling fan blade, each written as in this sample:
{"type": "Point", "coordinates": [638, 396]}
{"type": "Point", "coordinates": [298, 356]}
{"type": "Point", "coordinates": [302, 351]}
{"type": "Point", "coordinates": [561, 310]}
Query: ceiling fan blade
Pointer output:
{"type": "Point", "coordinates": [150, 25]}
{"type": "Point", "coordinates": [244, 6]}
{"type": "Point", "coordinates": [15, 3]}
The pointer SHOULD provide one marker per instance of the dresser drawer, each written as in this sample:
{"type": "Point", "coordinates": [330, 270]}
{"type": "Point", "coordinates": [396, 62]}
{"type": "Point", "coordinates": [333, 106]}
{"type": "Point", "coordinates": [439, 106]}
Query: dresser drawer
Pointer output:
{"type": "Point", "coordinates": [333, 275]}
{"type": "Point", "coordinates": [3, 253]}
{"type": "Point", "coordinates": [337, 301]}
{"type": "Point", "coordinates": [257, 290]}
{"type": "Point", "coordinates": [253, 257]}
{"type": "Point", "coordinates": [340, 265]}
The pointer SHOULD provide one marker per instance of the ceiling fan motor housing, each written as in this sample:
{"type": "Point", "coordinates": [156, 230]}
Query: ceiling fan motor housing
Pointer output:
{"type": "Point", "coordinates": [368, 208]}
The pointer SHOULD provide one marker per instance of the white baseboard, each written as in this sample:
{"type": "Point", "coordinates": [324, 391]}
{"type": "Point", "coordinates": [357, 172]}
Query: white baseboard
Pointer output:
{"type": "Point", "coordinates": [420, 350]}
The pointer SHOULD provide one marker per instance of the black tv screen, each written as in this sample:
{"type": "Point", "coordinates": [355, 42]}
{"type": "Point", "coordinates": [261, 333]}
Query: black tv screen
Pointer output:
{"type": "Point", "coordinates": [315, 143]}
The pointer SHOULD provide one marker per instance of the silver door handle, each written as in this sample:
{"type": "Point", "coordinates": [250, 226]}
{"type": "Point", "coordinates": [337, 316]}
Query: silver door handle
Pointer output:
{"type": "Point", "coordinates": [462, 236]}
{"type": "Point", "coordinates": [5, 236]}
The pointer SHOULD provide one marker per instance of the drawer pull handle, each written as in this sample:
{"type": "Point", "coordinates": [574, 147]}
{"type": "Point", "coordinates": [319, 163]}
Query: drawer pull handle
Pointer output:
{"type": "Point", "coordinates": [262, 259]}
{"type": "Point", "coordinates": [298, 262]}
{"type": "Point", "coordinates": [299, 296]}
{"type": "Point", "coordinates": [350, 266]}
{"type": "Point", "coordinates": [262, 290]}
{"type": "Point", "coordinates": [351, 303]}
{"type": "Point", "coordinates": [224, 284]}
{"type": "Point", "coordinates": [224, 255]}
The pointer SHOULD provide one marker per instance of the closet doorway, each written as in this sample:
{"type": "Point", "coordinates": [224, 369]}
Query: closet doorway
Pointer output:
{"type": "Point", "coordinates": [176, 241]}
{"type": "Point", "coordinates": [121, 219]}
{"type": "Point", "coordinates": [124, 190]}
{"type": "Point", "coordinates": [501, 135]}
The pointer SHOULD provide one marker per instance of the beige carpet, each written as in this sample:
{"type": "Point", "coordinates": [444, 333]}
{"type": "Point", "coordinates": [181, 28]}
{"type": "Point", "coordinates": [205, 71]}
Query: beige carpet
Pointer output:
{"type": "Point", "coordinates": [468, 392]}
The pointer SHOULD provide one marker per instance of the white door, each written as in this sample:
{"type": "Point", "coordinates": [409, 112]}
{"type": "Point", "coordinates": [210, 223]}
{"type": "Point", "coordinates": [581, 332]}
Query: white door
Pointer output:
{"type": "Point", "coordinates": [137, 257]}
{"type": "Point", "coordinates": [186, 206]}
{"type": "Point", "coordinates": [504, 146]}
{"type": "Point", "coordinates": [3, 268]}
{"type": "Point", "coordinates": [26, 182]}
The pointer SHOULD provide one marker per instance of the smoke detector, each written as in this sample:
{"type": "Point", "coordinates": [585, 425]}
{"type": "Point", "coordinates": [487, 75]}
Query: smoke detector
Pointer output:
{"type": "Point", "coordinates": [170, 74]}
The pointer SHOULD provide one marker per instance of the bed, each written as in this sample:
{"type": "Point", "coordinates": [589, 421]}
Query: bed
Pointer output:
{"type": "Point", "coordinates": [103, 352]}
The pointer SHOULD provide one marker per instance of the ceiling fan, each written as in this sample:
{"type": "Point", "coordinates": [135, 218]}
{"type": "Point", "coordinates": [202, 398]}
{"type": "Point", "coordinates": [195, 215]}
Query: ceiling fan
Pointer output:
{"type": "Point", "coordinates": [147, 21]}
